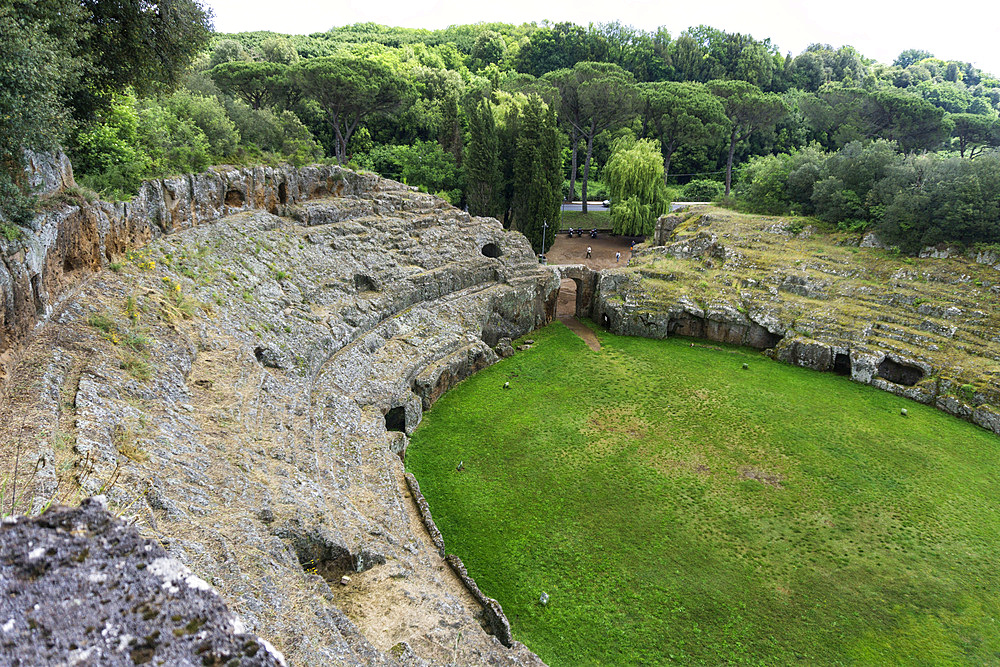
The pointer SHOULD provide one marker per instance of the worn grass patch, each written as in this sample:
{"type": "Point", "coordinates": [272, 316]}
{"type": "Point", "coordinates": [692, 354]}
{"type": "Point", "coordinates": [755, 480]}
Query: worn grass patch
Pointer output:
{"type": "Point", "coordinates": [679, 508]}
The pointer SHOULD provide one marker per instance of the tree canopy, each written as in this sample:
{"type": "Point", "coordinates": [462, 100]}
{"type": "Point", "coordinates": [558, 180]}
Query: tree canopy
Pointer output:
{"type": "Point", "coordinates": [417, 104]}
{"type": "Point", "coordinates": [68, 58]}
{"type": "Point", "coordinates": [349, 89]}
{"type": "Point", "coordinates": [748, 110]}
{"type": "Point", "coordinates": [681, 113]}
{"type": "Point", "coordinates": [256, 83]}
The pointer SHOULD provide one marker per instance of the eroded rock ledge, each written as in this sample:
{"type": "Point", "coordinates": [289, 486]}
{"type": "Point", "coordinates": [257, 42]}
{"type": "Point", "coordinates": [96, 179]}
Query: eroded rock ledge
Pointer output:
{"type": "Point", "coordinates": [243, 393]}
{"type": "Point", "coordinates": [74, 237]}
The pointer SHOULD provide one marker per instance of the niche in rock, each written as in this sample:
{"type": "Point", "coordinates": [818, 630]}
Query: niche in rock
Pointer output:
{"type": "Point", "coordinates": [363, 283]}
{"type": "Point", "coordinates": [319, 554]}
{"type": "Point", "coordinates": [903, 374]}
{"type": "Point", "coordinates": [36, 293]}
{"type": "Point", "coordinates": [270, 357]}
{"type": "Point", "coordinates": [492, 250]}
{"type": "Point", "coordinates": [395, 419]}
{"type": "Point", "coordinates": [762, 339]}
{"type": "Point", "coordinates": [842, 364]}
{"type": "Point", "coordinates": [282, 193]}
{"type": "Point", "coordinates": [234, 198]}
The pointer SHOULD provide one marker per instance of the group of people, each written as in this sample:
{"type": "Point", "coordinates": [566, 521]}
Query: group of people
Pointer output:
{"type": "Point", "coordinates": [590, 250]}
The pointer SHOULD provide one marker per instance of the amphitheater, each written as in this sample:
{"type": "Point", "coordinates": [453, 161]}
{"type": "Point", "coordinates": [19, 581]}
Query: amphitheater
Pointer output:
{"type": "Point", "coordinates": [235, 359]}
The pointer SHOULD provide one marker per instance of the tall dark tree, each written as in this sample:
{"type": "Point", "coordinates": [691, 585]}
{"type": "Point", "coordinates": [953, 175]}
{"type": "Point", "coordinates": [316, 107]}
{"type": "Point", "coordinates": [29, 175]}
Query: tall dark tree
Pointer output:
{"type": "Point", "coordinates": [900, 116]}
{"type": "Point", "coordinates": [911, 56]}
{"type": "Point", "coordinates": [538, 174]}
{"type": "Point", "coordinates": [643, 54]}
{"type": "Point", "coordinates": [143, 44]}
{"type": "Point", "coordinates": [482, 163]}
{"type": "Point", "coordinates": [488, 49]}
{"type": "Point", "coordinates": [256, 83]}
{"type": "Point", "coordinates": [593, 97]}
{"type": "Point", "coordinates": [748, 110]}
{"type": "Point", "coordinates": [450, 134]}
{"type": "Point", "coordinates": [553, 47]}
{"type": "Point", "coordinates": [974, 133]}
{"type": "Point", "coordinates": [530, 163]}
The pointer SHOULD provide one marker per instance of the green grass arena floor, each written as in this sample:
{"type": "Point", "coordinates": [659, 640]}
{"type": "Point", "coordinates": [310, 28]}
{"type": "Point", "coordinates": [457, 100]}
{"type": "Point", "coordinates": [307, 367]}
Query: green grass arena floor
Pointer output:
{"type": "Point", "coordinates": [677, 508]}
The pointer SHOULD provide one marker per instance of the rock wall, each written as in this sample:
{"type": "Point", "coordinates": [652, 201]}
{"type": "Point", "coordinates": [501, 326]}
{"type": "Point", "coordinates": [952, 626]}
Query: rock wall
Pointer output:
{"type": "Point", "coordinates": [72, 238]}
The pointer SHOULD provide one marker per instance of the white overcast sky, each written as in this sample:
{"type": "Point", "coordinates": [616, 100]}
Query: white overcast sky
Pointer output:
{"type": "Point", "coordinates": [953, 30]}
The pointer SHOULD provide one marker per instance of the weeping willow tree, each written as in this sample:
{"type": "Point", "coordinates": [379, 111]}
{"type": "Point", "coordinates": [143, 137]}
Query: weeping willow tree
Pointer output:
{"type": "Point", "coordinates": [634, 175]}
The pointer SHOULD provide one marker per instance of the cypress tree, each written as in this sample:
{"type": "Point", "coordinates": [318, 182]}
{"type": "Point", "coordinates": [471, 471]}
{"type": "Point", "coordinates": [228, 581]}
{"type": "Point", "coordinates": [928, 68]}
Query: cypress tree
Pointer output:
{"type": "Point", "coordinates": [482, 163]}
{"type": "Point", "coordinates": [537, 174]}
{"type": "Point", "coordinates": [450, 136]}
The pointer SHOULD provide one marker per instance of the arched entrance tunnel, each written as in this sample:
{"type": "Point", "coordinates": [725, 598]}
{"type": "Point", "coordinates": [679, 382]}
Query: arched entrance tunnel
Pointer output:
{"type": "Point", "coordinates": [569, 297]}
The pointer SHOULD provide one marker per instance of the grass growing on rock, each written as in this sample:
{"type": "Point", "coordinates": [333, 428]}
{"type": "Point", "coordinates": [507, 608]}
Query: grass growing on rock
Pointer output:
{"type": "Point", "coordinates": [677, 507]}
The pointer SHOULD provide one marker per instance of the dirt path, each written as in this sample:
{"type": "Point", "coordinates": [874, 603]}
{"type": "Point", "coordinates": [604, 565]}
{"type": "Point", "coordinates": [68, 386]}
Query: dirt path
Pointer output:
{"type": "Point", "coordinates": [583, 331]}
{"type": "Point", "coordinates": [574, 251]}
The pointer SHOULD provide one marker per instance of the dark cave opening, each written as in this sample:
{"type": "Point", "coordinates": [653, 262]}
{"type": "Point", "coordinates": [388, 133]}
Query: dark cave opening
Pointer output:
{"type": "Point", "coordinates": [842, 364]}
{"type": "Point", "coordinates": [395, 419]}
{"type": "Point", "coordinates": [894, 371]}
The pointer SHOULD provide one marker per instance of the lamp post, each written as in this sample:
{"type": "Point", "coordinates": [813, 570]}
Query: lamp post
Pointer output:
{"type": "Point", "coordinates": [545, 226]}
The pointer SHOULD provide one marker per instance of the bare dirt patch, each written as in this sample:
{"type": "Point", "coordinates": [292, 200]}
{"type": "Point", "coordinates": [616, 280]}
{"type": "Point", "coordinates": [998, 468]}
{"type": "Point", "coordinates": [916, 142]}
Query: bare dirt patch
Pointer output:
{"type": "Point", "coordinates": [583, 331]}
{"type": "Point", "coordinates": [610, 429]}
{"type": "Point", "coordinates": [769, 478]}
{"type": "Point", "coordinates": [603, 248]}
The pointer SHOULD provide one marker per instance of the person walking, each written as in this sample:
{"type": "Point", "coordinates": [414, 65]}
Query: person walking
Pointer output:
{"type": "Point", "coordinates": [588, 252]}
{"type": "Point", "coordinates": [618, 255]}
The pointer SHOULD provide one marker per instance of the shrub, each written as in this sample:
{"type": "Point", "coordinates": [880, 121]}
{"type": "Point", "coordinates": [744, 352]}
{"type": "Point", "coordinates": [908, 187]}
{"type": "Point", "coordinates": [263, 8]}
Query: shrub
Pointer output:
{"type": "Point", "coordinates": [761, 184]}
{"type": "Point", "coordinates": [704, 190]}
{"type": "Point", "coordinates": [210, 117]}
{"type": "Point", "coordinates": [175, 145]}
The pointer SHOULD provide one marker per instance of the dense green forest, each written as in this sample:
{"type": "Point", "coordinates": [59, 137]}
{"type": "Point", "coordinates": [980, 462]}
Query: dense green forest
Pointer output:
{"type": "Point", "coordinates": [508, 120]}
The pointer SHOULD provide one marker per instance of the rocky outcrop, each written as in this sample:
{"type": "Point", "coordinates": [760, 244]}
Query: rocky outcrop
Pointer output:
{"type": "Point", "coordinates": [719, 322]}
{"type": "Point", "coordinates": [73, 237]}
{"type": "Point", "coordinates": [78, 587]}
{"type": "Point", "coordinates": [46, 173]}
{"type": "Point", "coordinates": [920, 328]}
{"type": "Point", "coordinates": [243, 391]}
